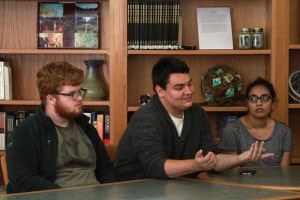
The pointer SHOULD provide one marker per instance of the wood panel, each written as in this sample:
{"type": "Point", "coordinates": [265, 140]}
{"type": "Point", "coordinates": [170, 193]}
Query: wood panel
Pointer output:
{"type": "Point", "coordinates": [294, 25]}
{"type": "Point", "coordinates": [294, 116]}
{"type": "Point", "coordinates": [118, 70]}
{"type": "Point", "coordinates": [243, 14]}
{"type": "Point", "coordinates": [25, 66]}
{"type": "Point", "coordinates": [248, 66]}
{"type": "Point", "coordinates": [18, 20]}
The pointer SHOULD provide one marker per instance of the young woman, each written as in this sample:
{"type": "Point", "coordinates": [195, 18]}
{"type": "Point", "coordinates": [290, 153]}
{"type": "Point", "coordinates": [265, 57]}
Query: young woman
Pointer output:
{"type": "Point", "coordinates": [258, 125]}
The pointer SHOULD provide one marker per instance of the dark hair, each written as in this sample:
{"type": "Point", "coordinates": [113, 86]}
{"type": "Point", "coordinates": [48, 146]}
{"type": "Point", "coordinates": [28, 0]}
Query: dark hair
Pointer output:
{"type": "Point", "coordinates": [262, 82]}
{"type": "Point", "coordinates": [55, 75]}
{"type": "Point", "coordinates": [164, 68]}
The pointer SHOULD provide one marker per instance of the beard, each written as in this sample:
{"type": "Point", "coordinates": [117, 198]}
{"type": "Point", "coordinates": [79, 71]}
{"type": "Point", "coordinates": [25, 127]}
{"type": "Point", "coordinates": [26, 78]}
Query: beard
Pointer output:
{"type": "Point", "coordinates": [64, 112]}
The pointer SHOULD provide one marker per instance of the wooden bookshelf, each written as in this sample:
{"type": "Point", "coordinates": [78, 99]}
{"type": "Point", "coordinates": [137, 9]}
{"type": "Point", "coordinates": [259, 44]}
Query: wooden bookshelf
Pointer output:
{"type": "Point", "coordinates": [293, 65]}
{"type": "Point", "coordinates": [128, 72]}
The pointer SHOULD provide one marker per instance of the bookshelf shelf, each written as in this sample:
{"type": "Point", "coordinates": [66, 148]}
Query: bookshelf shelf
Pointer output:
{"type": "Point", "coordinates": [37, 102]}
{"type": "Point", "coordinates": [199, 52]}
{"type": "Point", "coordinates": [53, 51]}
{"type": "Point", "coordinates": [206, 108]}
{"type": "Point", "coordinates": [294, 46]}
{"type": "Point", "coordinates": [294, 106]}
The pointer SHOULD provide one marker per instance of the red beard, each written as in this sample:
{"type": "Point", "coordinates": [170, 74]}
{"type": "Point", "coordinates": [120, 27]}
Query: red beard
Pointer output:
{"type": "Point", "coordinates": [66, 113]}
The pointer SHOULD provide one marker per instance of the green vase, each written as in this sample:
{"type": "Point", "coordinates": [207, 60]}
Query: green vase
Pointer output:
{"type": "Point", "coordinates": [92, 82]}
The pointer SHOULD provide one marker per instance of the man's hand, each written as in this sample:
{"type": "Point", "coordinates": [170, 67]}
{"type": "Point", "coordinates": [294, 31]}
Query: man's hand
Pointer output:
{"type": "Point", "coordinates": [205, 163]}
{"type": "Point", "coordinates": [256, 152]}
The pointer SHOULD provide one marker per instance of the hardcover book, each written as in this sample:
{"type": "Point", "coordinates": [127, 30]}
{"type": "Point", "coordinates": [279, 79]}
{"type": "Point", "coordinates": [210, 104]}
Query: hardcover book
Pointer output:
{"type": "Point", "coordinates": [10, 124]}
{"type": "Point", "coordinates": [68, 25]}
{"type": "Point", "coordinates": [2, 130]}
{"type": "Point", "coordinates": [106, 137]}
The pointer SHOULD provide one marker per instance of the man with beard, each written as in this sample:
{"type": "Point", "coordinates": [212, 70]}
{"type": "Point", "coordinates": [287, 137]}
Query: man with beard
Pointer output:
{"type": "Point", "coordinates": [170, 136]}
{"type": "Point", "coordinates": [57, 147]}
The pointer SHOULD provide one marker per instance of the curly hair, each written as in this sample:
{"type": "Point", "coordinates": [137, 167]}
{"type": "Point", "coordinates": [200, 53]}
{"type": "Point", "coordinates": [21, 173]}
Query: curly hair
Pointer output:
{"type": "Point", "coordinates": [262, 82]}
{"type": "Point", "coordinates": [52, 76]}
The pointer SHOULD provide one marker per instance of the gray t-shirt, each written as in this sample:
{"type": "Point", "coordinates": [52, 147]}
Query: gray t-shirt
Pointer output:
{"type": "Point", "coordinates": [76, 158]}
{"type": "Point", "coordinates": [236, 138]}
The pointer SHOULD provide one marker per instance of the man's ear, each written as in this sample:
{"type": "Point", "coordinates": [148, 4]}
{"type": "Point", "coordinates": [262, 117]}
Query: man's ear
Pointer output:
{"type": "Point", "coordinates": [160, 92]}
{"type": "Point", "coordinates": [50, 99]}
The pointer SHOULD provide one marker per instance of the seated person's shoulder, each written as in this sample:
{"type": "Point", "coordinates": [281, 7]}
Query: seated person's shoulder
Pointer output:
{"type": "Point", "coordinates": [282, 125]}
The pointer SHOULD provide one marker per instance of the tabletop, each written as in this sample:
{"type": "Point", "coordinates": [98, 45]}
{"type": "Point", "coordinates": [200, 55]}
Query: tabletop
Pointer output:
{"type": "Point", "coordinates": [155, 189]}
{"type": "Point", "coordinates": [279, 178]}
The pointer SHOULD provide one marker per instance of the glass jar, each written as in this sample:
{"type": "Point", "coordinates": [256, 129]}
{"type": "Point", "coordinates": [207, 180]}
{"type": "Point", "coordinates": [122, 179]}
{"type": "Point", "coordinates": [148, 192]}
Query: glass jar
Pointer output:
{"type": "Point", "coordinates": [257, 38]}
{"type": "Point", "coordinates": [245, 39]}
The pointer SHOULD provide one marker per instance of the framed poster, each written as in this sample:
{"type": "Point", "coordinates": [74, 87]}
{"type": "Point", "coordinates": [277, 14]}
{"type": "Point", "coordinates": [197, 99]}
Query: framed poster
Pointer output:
{"type": "Point", "coordinates": [214, 28]}
{"type": "Point", "coordinates": [68, 25]}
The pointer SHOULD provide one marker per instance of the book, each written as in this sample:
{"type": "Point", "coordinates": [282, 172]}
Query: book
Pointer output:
{"type": "Point", "coordinates": [10, 124]}
{"type": "Point", "coordinates": [88, 114]}
{"type": "Point", "coordinates": [2, 80]}
{"type": "Point", "coordinates": [93, 120]}
{"type": "Point", "coordinates": [154, 24]}
{"type": "Point", "coordinates": [106, 136]}
{"type": "Point", "coordinates": [2, 130]}
{"type": "Point", "coordinates": [100, 124]}
{"type": "Point", "coordinates": [214, 28]}
{"type": "Point", "coordinates": [21, 115]}
{"type": "Point", "coordinates": [7, 82]}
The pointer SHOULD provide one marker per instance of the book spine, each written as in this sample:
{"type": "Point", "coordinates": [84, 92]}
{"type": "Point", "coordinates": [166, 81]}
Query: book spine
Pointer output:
{"type": "Point", "coordinates": [1, 80]}
{"type": "Point", "coordinates": [7, 82]}
{"type": "Point", "coordinates": [100, 124]}
{"type": "Point", "coordinates": [106, 136]}
{"type": "Point", "coordinates": [21, 115]}
{"type": "Point", "coordinates": [2, 130]}
{"type": "Point", "coordinates": [10, 124]}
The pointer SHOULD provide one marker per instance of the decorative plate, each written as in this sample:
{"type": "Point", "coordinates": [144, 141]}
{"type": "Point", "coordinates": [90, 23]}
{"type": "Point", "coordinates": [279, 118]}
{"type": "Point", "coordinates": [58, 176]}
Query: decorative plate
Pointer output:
{"type": "Point", "coordinates": [294, 86]}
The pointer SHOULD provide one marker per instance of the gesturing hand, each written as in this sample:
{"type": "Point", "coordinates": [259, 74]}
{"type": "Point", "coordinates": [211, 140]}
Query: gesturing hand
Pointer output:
{"type": "Point", "coordinates": [205, 163]}
{"type": "Point", "coordinates": [256, 152]}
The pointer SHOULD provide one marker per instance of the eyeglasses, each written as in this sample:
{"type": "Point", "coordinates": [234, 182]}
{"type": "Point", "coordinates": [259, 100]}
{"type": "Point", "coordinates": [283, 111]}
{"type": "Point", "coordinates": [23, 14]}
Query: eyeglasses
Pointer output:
{"type": "Point", "coordinates": [264, 98]}
{"type": "Point", "coordinates": [74, 94]}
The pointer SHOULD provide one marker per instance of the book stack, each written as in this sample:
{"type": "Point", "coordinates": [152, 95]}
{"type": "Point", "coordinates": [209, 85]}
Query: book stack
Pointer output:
{"type": "Point", "coordinates": [101, 122]}
{"type": "Point", "coordinates": [5, 81]}
{"type": "Point", "coordinates": [154, 24]}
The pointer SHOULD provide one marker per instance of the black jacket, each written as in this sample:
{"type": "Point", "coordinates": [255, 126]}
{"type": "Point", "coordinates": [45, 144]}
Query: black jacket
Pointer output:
{"type": "Point", "coordinates": [151, 138]}
{"type": "Point", "coordinates": [31, 156]}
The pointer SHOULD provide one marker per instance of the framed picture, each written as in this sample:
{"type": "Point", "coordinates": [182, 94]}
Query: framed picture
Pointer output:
{"type": "Point", "coordinates": [68, 25]}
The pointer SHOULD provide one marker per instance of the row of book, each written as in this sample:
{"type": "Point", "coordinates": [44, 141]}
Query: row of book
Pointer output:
{"type": "Point", "coordinates": [8, 121]}
{"type": "Point", "coordinates": [5, 81]}
{"type": "Point", "coordinates": [154, 24]}
{"type": "Point", "coordinates": [101, 123]}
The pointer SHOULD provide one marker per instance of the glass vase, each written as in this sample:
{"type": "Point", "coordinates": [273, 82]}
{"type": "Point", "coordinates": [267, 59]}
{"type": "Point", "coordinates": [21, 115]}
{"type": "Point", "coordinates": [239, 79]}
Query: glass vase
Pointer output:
{"type": "Point", "coordinates": [92, 83]}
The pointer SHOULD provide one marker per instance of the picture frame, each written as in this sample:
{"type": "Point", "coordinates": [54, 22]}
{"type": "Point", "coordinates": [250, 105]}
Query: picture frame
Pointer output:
{"type": "Point", "coordinates": [68, 25]}
{"type": "Point", "coordinates": [214, 28]}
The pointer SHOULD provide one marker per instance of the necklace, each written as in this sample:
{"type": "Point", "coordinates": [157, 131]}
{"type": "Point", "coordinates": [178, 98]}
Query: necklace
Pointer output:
{"type": "Point", "coordinates": [256, 133]}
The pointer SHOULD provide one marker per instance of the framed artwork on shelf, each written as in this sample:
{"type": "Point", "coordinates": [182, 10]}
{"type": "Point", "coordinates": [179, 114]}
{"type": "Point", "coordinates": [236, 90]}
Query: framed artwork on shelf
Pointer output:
{"type": "Point", "coordinates": [68, 25]}
{"type": "Point", "coordinates": [214, 28]}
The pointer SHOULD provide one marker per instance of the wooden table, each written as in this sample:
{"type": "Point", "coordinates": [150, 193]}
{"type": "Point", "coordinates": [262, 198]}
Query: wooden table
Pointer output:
{"type": "Point", "coordinates": [279, 178]}
{"type": "Point", "coordinates": [155, 189]}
